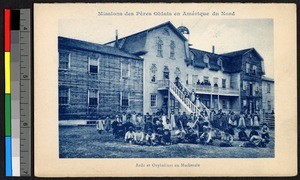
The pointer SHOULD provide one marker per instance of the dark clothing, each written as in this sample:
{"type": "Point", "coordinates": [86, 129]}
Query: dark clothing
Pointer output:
{"type": "Point", "coordinates": [184, 118]}
{"type": "Point", "coordinates": [127, 125]}
{"type": "Point", "coordinates": [114, 126]}
{"type": "Point", "coordinates": [231, 131]}
{"type": "Point", "coordinates": [158, 127]}
{"type": "Point", "coordinates": [166, 138]}
{"type": "Point", "coordinates": [243, 136]}
{"type": "Point", "coordinates": [252, 133]}
{"type": "Point", "coordinates": [148, 126]}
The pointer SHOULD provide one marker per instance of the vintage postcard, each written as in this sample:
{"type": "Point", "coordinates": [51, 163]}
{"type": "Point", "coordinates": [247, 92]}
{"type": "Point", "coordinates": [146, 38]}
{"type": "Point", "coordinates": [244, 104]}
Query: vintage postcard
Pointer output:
{"type": "Point", "coordinates": [165, 90]}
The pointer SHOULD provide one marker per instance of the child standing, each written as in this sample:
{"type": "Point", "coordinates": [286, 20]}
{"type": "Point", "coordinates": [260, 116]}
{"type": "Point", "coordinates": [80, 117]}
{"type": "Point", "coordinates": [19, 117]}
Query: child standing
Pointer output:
{"type": "Point", "coordinates": [100, 126]}
{"type": "Point", "coordinates": [107, 124]}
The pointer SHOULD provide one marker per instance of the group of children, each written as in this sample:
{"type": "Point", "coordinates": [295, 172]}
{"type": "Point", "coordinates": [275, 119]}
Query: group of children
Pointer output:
{"type": "Point", "coordinates": [157, 129]}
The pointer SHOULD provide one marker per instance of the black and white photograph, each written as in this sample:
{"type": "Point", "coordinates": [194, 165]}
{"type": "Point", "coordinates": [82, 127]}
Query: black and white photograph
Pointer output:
{"type": "Point", "coordinates": [166, 88]}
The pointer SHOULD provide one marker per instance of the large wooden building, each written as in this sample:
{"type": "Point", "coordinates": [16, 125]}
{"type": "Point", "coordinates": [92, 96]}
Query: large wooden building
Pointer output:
{"type": "Point", "coordinates": [137, 73]}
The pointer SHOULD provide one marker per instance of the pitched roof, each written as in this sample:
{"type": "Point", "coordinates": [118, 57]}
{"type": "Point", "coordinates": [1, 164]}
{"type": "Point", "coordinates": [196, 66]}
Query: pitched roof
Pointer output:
{"type": "Point", "coordinates": [213, 59]}
{"type": "Point", "coordinates": [135, 43]}
{"type": "Point", "coordinates": [237, 53]}
{"type": "Point", "coordinates": [264, 78]}
{"type": "Point", "coordinates": [83, 45]}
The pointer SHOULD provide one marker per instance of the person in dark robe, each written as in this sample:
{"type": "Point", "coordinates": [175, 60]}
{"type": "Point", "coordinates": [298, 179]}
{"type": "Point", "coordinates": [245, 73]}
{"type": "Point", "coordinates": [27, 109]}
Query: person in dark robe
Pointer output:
{"type": "Point", "coordinates": [242, 135]}
{"type": "Point", "coordinates": [184, 118]}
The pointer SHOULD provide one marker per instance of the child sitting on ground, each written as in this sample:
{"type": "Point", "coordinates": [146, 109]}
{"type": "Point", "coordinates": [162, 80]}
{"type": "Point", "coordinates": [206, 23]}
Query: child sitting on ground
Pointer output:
{"type": "Point", "coordinates": [227, 140]}
{"type": "Point", "coordinates": [150, 138]}
{"type": "Point", "coordinates": [216, 134]}
{"type": "Point", "coordinates": [180, 135]}
{"type": "Point", "coordinates": [206, 137]}
{"type": "Point", "coordinates": [265, 132]}
{"type": "Point", "coordinates": [139, 136]}
{"type": "Point", "coordinates": [253, 132]}
{"type": "Point", "coordinates": [191, 136]}
{"type": "Point", "coordinates": [166, 138]}
{"type": "Point", "coordinates": [242, 135]}
{"type": "Point", "coordinates": [255, 141]}
{"type": "Point", "coordinates": [129, 136]}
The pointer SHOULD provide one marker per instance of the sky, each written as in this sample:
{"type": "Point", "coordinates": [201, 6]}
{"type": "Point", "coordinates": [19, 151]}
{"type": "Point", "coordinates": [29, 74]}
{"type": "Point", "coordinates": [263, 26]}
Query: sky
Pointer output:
{"type": "Point", "coordinates": [225, 34]}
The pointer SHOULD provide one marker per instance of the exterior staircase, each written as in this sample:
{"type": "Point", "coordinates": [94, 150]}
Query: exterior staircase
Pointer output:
{"type": "Point", "coordinates": [180, 96]}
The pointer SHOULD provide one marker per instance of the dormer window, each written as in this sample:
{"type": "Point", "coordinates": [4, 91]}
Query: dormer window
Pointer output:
{"type": "Point", "coordinates": [160, 44]}
{"type": "Point", "coordinates": [220, 62]}
{"type": "Point", "coordinates": [172, 50]}
{"type": "Point", "coordinates": [206, 58]}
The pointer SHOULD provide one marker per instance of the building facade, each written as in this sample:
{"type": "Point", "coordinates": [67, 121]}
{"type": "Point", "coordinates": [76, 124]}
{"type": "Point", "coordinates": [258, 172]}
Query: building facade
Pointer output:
{"type": "Point", "coordinates": [156, 59]}
{"type": "Point", "coordinates": [268, 95]}
{"type": "Point", "coordinates": [96, 80]}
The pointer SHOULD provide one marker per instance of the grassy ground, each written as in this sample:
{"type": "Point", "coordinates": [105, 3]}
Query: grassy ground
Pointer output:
{"type": "Point", "coordinates": [85, 142]}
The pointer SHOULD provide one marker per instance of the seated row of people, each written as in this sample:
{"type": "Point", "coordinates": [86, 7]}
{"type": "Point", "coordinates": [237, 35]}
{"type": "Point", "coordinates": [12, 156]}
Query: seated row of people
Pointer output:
{"type": "Point", "coordinates": [160, 136]}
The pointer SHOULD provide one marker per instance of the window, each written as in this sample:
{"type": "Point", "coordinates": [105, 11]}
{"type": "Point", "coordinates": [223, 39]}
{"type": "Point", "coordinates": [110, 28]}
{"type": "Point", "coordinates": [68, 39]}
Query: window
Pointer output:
{"type": "Point", "coordinates": [205, 58]}
{"type": "Point", "coordinates": [223, 83]}
{"type": "Point", "coordinates": [125, 70]}
{"type": "Point", "coordinates": [64, 60]}
{"type": "Point", "coordinates": [166, 72]}
{"type": "Point", "coordinates": [216, 81]}
{"type": "Point", "coordinates": [216, 103]}
{"type": "Point", "coordinates": [245, 85]}
{"type": "Point", "coordinates": [219, 62]}
{"type": "Point", "coordinates": [153, 71]}
{"type": "Point", "coordinates": [153, 99]}
{"type": "Point", "coordinates": [177, 72]}
{"type": "Point", "coordinates": [159, 47]}
{"type": "Point", "coordinates": [268, 88]}
{"type": "Point", "coordinates": [247, 68]}
{"type": "Point", "coordinates": [172, 50]}
{"type": "Point", "coordinates": [93, 65]}
{"type": "Point", "coordinates": [124, 99]}
{"type": "Point", "coordinates": [224, 104]}
{"type": "Point", "coordinates": [93, 97]}
{"type": "Point", "coordinates": [64, 94]}
{"type": "Point", "coordinates": [244, 103]}
{"type": "Point", "coordinates": [206, 79]}
{"type": "Point", "coordinates": [254, 69]}
{"type": "Point", "coordinates": [187, 79]}
{"type": "Point", "coordinates": [269, 106]}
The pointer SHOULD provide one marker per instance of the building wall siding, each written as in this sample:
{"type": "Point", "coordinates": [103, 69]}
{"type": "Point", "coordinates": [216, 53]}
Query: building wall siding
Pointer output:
{"type": "Point", "coordinates": [107, 82]}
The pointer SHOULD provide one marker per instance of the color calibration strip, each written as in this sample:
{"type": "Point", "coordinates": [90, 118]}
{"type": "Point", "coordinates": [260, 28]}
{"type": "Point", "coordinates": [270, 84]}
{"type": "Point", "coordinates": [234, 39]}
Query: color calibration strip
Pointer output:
{"type": "Point", "coordinates": [17, 92]}
{"type": "Point", "coordinates": [8, 145]}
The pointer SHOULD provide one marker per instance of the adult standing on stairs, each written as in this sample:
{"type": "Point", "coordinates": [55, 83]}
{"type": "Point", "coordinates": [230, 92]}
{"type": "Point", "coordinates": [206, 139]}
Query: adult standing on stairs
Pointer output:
{"type": "Point", "coordinates": [197, 102]}
{"type": "Point", "coordinates": [193, 96]}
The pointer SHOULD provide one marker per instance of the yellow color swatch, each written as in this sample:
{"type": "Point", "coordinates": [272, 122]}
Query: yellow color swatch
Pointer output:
{"type": "Point", "coordinates": [7, 72]}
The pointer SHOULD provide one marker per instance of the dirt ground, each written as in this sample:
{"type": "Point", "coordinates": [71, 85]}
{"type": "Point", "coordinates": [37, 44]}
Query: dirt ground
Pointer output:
{"type": "Point", "coordinates": [85, 142]}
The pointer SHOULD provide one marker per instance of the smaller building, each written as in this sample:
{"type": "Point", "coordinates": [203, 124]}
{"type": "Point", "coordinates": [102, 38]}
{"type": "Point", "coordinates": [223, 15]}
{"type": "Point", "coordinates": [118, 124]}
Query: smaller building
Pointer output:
{"type": "Point", "coordinates": [268, 95]}
{"type": "Point", "coordinates": [96, 80]}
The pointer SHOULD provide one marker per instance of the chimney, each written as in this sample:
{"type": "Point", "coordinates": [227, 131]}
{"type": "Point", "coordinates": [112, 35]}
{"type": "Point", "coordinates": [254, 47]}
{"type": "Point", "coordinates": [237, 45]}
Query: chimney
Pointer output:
{"type": "Point", "coordinates": [213, 49]}
{"type": "Point", "coordinates": [117, 40]}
